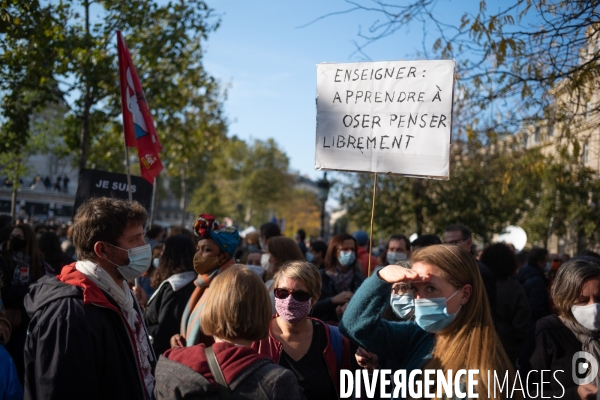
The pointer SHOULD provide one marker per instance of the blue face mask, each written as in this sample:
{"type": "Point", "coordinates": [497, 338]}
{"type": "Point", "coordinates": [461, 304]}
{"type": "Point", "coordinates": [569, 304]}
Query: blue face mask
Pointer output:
{"type": "Point", "coordinates": [310, 257]}
{"type": "Point", "coordinates": [252, 248]}
{"type": "Point", "coordinates": [346, 257]}
{"type": "Point", "coordinates": [402, 304]}
{"type": "Point", "coordinates": [432, 314]}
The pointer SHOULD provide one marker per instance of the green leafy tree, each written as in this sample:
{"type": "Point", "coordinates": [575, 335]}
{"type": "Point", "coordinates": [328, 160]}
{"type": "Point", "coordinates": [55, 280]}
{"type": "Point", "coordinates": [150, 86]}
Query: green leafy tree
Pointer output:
{"type": "Point", "coordinates": [246, 181]}
{"type": "Point", "coordinates": [28, 34]}
{"type": "Point", "coordinates": [566, 205]}
{"type": "Point", "coordinates": [488, 191]}
{"type": "Point", "coordinates": [166, 43]}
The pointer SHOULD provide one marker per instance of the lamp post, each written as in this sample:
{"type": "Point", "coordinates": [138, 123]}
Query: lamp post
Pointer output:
{"type": "Point", "coordinates": [324, 185]}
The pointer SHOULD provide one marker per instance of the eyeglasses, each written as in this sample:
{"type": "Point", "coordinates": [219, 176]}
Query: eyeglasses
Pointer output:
{"type": "Point", "coordinates": [401, 289]}
{"type": "Point", "coordinates": [456, 241]}
{"type": "Point", "coordinates": [298, 295]}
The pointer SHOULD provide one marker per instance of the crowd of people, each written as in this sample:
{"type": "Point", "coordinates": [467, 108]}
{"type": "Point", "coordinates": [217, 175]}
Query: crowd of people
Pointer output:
{"type": "Point", "coordinates": [108, 310]}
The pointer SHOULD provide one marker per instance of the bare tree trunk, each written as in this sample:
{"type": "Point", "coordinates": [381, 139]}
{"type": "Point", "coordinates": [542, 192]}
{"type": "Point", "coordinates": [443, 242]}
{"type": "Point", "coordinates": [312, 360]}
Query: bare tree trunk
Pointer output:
{"type": "Point", "coordinates": [183, 195]}
{"type": "Point", "coordinates": [418, 207]}
{"type": "Point", "coordinates": [581, 240]}
{"type": "Point", "coordinates": [87, 103]}
{"type": "Point", "coordinates": [248, 216]}
{"type": "Point", "coordinates": [13, 202]}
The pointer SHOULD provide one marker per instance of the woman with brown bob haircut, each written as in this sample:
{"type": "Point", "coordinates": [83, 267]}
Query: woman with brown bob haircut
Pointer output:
{"type": "Point", "coordinates": [576, 296]}
{"type": "Point", "coordinates": [236, 313]}
{"type": "Point", "coordinates": [453, 327]}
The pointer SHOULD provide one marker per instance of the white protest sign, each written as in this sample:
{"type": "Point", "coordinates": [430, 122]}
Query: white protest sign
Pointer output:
{"type": "Point", "coordinates": [385, 117]}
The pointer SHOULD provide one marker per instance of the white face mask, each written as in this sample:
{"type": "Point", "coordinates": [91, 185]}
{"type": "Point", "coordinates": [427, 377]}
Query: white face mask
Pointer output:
{"type": "Point", "coordinates": [139, 261]}
{"type": "Point", "coordinates": [393, 257]}
{"type": "Point", "coordinates": [264, 260]}
{"type": "Point", "coordinates": [587, 316]}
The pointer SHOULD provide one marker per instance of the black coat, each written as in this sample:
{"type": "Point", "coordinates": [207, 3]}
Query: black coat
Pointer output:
{"type": "Point", "coordinates": [553, 350]}
{"type": "Point", "coordinates": [325, 309]}
{"type": "Point", "coordinates": [163, 315]}
{"type": "Point", "coordinates": [512, 316]}
{"type": "Point", "coordinates": [13, 296]}
{"type": "Point", "coordinates": [76, 350]}
{"type": "Point", "coordinates": [535, 284]}
{"type": "Point", "coordinates": [489, 281]}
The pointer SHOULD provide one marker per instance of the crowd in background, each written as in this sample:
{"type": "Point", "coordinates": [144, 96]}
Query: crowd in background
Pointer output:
{"type": "Point", "coordinates": [281, 316]}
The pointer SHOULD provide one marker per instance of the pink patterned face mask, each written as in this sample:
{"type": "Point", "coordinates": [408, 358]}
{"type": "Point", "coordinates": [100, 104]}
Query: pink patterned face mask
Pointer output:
{"type": "Point", "coordinates": [291, 309]}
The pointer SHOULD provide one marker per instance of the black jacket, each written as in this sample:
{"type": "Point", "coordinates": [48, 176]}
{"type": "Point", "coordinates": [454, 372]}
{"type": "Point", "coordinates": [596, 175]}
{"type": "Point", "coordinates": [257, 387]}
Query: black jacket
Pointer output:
{"type": "Point", "coordinates": [512, 316]}
{"type": "Point", "coordinates": [554, 348]}
{"type": "Point", "coordinates": [163, 315]}
{"type": "Point", "coordinates": [489, 281]}
{"type": "Point", "coordinates": [325, 309]}
{"type": "Point", "coordinates": [78, 349]}
{"type": "Point", "coordinates": [535, 284]}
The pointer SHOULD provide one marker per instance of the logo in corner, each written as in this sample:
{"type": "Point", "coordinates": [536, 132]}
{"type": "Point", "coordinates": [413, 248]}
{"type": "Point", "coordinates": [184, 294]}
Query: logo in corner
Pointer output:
{"type": "Point", "coordinates": [584, 364]}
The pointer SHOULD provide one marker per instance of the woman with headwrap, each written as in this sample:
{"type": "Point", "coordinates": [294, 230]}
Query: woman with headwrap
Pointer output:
{"type": "Point", "coordinates": [559, 338]}
{"type": "Point", "coordinates": [215, 249]}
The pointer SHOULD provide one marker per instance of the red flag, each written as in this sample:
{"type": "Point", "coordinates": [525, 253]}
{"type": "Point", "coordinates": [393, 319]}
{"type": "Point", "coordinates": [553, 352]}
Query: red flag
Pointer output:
{"type": "Point", "coordinates": [137, 122]}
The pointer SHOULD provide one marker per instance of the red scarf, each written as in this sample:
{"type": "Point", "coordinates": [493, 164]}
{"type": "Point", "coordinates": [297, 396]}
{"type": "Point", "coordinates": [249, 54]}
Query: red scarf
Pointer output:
{"type": "Point", "coordinates": [232, 359]}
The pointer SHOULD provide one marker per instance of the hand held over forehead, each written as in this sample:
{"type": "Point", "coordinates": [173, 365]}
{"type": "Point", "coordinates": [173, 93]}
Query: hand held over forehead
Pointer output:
{"type": "Point", "coordinates": [396, 273]}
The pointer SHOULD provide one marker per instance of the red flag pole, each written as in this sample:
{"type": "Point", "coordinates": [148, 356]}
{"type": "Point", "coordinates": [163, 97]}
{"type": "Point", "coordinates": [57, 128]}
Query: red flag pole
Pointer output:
{"type": "Point", "coordinates": [128, 169]}
{"type": "Point", "coordinates": [151, 219]}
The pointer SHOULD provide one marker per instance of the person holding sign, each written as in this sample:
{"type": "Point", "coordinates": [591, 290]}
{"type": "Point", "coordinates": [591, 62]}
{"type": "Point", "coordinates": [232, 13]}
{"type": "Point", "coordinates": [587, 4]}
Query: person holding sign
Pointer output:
{"type": "Point", "coordinates": [451, 317]}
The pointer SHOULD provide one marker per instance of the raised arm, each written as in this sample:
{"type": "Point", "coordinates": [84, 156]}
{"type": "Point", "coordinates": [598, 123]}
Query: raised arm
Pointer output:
{"type": "Point", "coordinates": [362, 320]}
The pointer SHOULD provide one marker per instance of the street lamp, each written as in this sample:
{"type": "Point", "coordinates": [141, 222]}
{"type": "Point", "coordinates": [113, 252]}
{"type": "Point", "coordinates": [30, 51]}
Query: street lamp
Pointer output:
{"type": "Point", "coordinates": [323, 185]}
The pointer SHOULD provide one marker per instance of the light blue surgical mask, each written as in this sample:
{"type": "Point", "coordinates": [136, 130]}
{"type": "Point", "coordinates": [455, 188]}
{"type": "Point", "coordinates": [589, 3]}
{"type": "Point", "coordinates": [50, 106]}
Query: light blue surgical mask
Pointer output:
{"type": "Point", "coordinates": [392, 257]}
{"type": "Point", "coordinates": [139, 262]}
{"type": "Point", "coordinates": [402, 304]}
{"type": "Point", "coordinates": [432, 314]}
{"type": "Point", "coordinates": [310, 257]}
{"type": "Point", "coordinates": [346, 257]}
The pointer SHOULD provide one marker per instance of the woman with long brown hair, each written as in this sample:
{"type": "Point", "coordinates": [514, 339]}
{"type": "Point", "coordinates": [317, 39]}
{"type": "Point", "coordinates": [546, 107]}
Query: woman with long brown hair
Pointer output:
{"type": "Point", "coordinates": [453, 327]}
{"type": "Point", "coordinates": [340, 279]}
{"type": "Point", "coordinates": [174, 284]}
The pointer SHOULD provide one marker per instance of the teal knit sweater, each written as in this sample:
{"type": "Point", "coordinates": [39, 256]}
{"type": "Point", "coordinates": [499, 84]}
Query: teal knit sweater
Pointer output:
{"type": "Point", "coordinates": [403, 345]}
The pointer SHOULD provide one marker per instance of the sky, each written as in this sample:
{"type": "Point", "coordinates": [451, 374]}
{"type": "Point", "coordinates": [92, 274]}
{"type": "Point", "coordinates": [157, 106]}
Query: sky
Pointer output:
{"type": "Point", "coordinates": [269, 62]}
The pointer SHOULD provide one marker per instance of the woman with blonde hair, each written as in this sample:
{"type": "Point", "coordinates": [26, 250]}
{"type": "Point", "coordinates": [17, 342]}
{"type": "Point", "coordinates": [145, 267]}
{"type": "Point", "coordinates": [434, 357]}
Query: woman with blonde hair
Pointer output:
{"type": "Point", "coordinates": [309, 347]}
{"type": "Point", "coordinates": [452, 329]}
{"type": "Point", "coordinates": [236, 313]}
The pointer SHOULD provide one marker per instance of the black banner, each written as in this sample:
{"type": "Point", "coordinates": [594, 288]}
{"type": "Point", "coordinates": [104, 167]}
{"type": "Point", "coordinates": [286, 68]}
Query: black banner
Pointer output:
{"type": "Point", "coordinates": [93, 183]}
